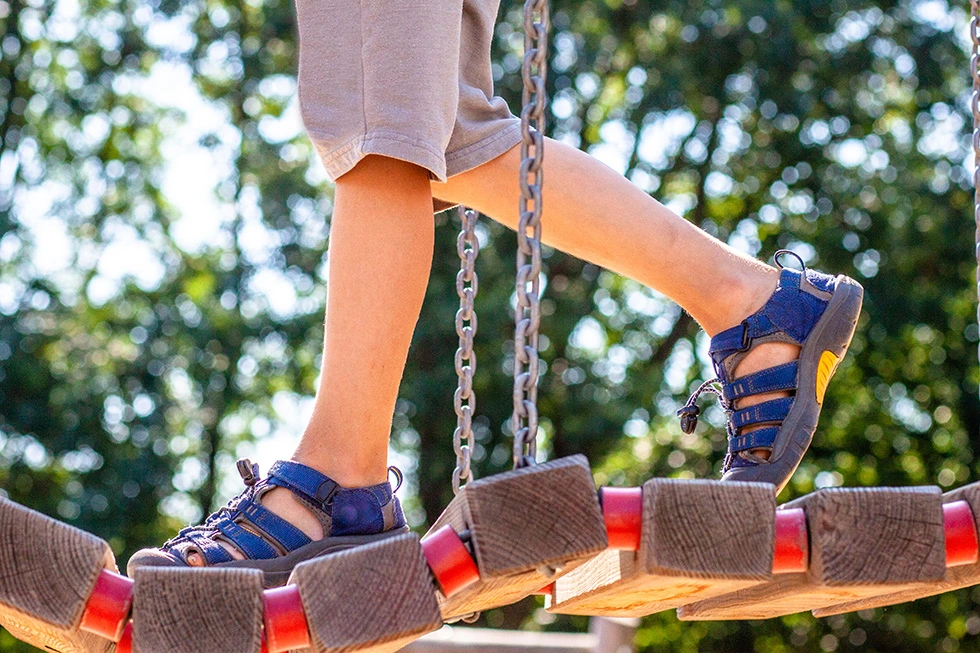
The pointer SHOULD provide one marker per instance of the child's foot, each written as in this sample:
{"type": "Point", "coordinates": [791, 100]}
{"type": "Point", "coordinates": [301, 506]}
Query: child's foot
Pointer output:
{"type": "Point", "coordinates": [294, 514]}
{"type": "Point", "coordinates": [774, 368]}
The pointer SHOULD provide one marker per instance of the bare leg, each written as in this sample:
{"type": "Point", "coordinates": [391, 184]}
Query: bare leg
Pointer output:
{"type": "Point", "coordinates": [594, 213]}
{"type": "Point", "coordinates": [381, 241]}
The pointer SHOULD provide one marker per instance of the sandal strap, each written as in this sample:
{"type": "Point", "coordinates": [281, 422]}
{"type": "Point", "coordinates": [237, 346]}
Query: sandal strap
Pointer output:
{"type": "Point", "coordinates": [774, 410]}
{"type": "Point", "coordinates": [739, 338]}
{"type": "Point", "coordinates": [763, 438]}
{"type": "Point", "coordinates": [250, 544]}
{"type": "Point", "coordinates": [213, 552]}
{"type": "Point", "coordinates": [773, 379]}
{"type": "Point", "coordinates": [273, 527]}
{"type": "Point", "coordinates": [315, 487]}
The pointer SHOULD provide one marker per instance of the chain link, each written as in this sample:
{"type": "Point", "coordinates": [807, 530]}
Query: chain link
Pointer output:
{"type": "Point", "coordinates": [534, 70]}
{"type": "Point", "coordinates": [975, 105]}
{"type": "Point", "coordinates": [464, 400]}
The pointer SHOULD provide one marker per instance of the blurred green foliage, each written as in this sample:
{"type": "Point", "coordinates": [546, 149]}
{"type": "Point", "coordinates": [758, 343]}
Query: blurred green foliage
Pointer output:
{"type": "Point", "coordinates": [839, 129]}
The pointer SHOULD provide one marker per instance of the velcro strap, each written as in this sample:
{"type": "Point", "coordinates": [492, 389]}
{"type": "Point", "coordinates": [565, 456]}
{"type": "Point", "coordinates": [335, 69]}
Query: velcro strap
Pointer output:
{"type": "Point", "coordinates": [739, 338]}
{"type": "Point", "coordinates": [727, 342]}
{"type": "Point", "coordinates": [774, 410]}
{"type": "Point", "coordinates": [773, 379]}
{"type": "Point", "coordinates": [316, 487]}
{"type": "Point", "coordinates": [759, 439]}
{"type": "Point", "coordinates": [213, 552]}
{"type": "Point", "coordinates": [275, 527]}
{"type": "Point", "coordinates": [253, 546]}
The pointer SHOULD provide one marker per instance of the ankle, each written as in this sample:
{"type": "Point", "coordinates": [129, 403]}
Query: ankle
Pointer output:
{"type": "Point", "coordinates": [745, 293]}
{"type": "Point", "coordinates": [348, 471]}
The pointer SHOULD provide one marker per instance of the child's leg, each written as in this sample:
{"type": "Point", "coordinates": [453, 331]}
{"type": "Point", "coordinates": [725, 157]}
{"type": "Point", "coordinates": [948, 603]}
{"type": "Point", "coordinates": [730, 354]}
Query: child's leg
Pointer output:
{"type": "Point", "coordinates": [380, 255]}
{"type": "Point", "coordinates": [596, 214]}
{"type": "Point", "coordinates": [381, 241]}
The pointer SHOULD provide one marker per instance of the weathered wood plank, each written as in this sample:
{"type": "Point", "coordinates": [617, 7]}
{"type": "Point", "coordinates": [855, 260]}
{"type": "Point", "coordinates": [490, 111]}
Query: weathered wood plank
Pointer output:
{"type": "Point", "coordinates": [527, 527]}
{"type": "Point", "coordinates": [183, 610]}
{"type": "Point", "coordinates": [696, 542]}
{"type": "Point", "coordinates": [956, 577]}
{"type": "Point", "coordinates": [863, 542]}
{"type": "Point", "coordinates": [374, 598]}
{"type": "Point", "coordinates": [455, 639]}
{"type": "Point", "coordinates": [47, 572]}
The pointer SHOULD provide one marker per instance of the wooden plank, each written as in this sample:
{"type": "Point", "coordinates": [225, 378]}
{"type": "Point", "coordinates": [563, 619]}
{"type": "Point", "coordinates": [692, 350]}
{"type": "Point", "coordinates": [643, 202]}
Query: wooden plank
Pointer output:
{"type": "Point", "coordinates": [699, 539]}
{"type": "Point", "coordinates": [375, 598]}
{"type": "Point", "coordinates": [528, 527]}
{"type": "Point", "coordinates": [956, 577]}
{"type": "Point", "coordinates": [456, 639]}
{"type": "Point", "coordinates": [184, 610]}
{"type": "Point", "coordinates": [863, 542]}
{"type": "Point", "coordinates": [47, 572]}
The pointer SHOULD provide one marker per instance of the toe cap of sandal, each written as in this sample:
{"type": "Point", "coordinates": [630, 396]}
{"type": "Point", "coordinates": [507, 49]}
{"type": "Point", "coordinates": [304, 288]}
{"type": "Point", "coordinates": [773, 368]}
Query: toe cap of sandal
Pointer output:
{"type": "Point", "coordinates": [152, 558]}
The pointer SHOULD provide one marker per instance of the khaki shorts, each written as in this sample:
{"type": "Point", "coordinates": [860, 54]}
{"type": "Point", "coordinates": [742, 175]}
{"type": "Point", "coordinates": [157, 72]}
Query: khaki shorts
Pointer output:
{"type": "Point", "coordinates": [408, 79]}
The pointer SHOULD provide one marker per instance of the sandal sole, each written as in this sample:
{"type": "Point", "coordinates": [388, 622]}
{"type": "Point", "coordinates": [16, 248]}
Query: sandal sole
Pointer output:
{"type": "Point", "coordinates": [276, 571]}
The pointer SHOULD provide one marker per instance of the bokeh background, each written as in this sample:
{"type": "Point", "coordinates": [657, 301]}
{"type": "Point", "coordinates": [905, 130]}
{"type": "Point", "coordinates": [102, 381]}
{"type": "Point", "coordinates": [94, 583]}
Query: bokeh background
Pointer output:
{"type": "Point", "coordinates": [164, 225]}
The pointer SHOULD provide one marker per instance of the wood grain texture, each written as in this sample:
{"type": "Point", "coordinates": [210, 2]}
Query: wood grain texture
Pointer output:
{"type": "Point", "coordinates": [696, 543]}
{"type": "Point", "coordinates": [183, 610]}
{"type": "Point", "coordinates": [47, 571]}
{"type": "Point", "coordinates": [956, 577]}
{"type": "Point", "coordinates": [863, 542]}
{"type": "Point", "coordinates": [528, 527]}
{"type": "Point", "coordinates": [376, 598]}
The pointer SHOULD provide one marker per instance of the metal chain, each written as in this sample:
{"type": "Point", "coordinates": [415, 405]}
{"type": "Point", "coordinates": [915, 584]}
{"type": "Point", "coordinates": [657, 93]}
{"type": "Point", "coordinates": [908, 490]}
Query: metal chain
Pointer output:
{"type": "Point", "coordinates": [466, 286]}
{"type": "Point", "coordinates": [524, 422]}
{"type": "Point", "coordinates": [975, 104]}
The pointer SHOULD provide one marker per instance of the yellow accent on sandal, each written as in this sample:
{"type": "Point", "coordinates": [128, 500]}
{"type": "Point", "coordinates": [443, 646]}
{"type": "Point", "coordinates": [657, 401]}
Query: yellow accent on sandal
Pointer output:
{"type": "Point", "coordinates": [825, 369]}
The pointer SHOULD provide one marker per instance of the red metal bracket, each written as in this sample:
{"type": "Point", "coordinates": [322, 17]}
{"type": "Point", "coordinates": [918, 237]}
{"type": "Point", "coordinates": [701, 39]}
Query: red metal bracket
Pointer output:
{"type": "Point", "coordinates": [962, 547]}
{"type": "Point", "coordinates": [450, 560]}
{"type": "Point", "coordinates": [107, 609]}
{"type": "Point", "coordinates": [125, 644]}
{"type": "Point", "coordinates": [622, 511]}
{"type": "Point", "coordinates": [792, 553]}
{"type": "Point", "coordinates": [285, 619]}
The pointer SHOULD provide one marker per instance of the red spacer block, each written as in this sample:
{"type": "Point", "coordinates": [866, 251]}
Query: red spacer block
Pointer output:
{"type": "Point", "coordinates": [125, 644]}
{"type": "Point", "coordinates": [962, 547]}
{"type": "Point", "coordinates": [108, 607]}
{"type": "Point", "coordinates": [285, 619]}
{"type": "Point", "coordinates": [547, 590]}
{"type": "Point", "coordinates": [450, 560]}
{"type": "Point", "coordinates": [792, 554]}
{"type": "Point", "coordinates": [622, 511]}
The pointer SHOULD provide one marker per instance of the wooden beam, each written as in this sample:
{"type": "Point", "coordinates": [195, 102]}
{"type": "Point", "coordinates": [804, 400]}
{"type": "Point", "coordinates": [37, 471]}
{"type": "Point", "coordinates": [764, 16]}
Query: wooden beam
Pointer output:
{"type": "Point", "coordinates": [185, 610]}
{"type": "Point", "coordinates": [526, 528]}
{"type": "Point", "coordinates": [863, 542]}
{"type": "Point", "coordinates": [375, 598]}
{"type": "Point", "coordinates": [963, 569]}
{"type": "Point", "coordinates": [699, 539]}
{"type": "Point", "coordinates": [455, 639]}
{"type": "Point", "coordinates": [48, 571]}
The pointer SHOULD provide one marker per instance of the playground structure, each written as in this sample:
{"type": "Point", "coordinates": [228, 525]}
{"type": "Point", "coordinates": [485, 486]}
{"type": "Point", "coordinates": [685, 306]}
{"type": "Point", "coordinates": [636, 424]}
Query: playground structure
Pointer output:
{"type": "Point", "coordinates": [541, 528]}
{"type": "Point", "coordinates": [674, 544]}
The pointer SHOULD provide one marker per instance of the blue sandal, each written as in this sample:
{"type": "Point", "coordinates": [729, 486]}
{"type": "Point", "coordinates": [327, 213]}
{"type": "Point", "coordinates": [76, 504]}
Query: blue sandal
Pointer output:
{"type": "Point", "coordinates": [816, 311]}
{"type": "Point", "coordinates": [349, 518]}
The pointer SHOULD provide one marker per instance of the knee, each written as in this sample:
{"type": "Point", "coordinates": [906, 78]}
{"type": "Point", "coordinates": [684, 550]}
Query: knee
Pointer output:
{"type": "Point", "coordinates": [377, 169]}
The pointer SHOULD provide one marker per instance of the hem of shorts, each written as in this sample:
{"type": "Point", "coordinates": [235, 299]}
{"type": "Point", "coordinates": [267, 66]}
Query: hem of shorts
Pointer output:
{"type": "Point", "coordinates": [486, 149]}
{"type": "Point", "coordinates": [392, 144]}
